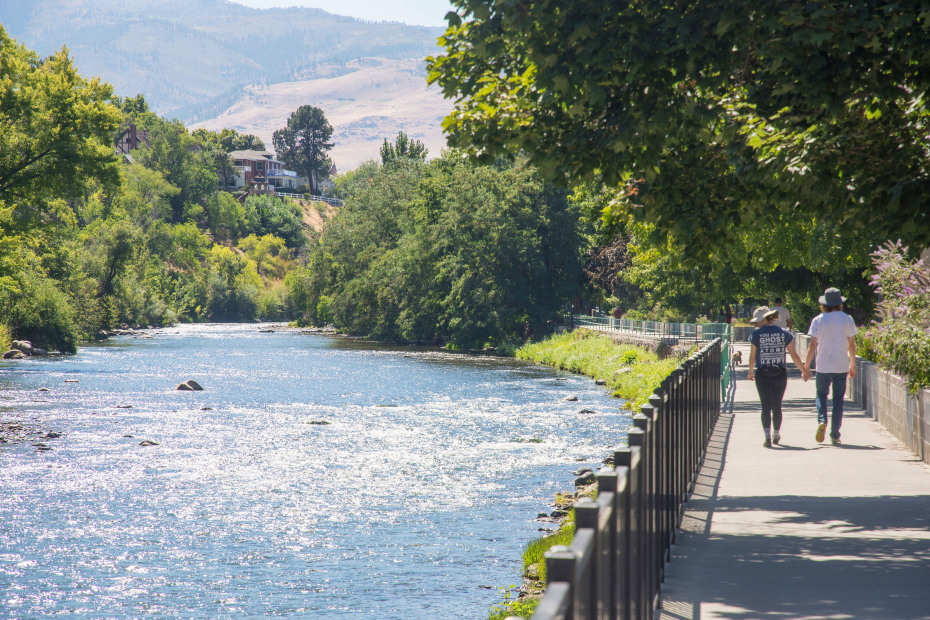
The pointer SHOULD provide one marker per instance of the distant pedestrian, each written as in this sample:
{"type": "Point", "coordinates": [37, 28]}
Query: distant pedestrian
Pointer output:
{"type": "Point", "coordinates": [767, 366]}
{"type": "Point", "coordinates": [784, 316]}
{"type": "Point", "coordinates": [833, 341]}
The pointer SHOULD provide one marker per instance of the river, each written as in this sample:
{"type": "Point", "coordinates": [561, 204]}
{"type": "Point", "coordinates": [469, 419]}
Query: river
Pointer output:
{"type": "Point", "coordinates": [313, 476]}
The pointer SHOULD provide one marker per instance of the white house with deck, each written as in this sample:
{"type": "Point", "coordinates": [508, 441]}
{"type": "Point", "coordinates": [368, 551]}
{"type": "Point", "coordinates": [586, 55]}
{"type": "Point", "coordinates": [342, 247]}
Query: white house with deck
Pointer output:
{"type": "Point", "coordinates": [260, 171]}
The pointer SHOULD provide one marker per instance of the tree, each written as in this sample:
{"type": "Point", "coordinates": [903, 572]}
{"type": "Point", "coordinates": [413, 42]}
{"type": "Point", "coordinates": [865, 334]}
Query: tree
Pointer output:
{"type": "Point", "coordinates": [302, 145]}
{"type": "Point", "coordinates": [146, 196]}
{"type": "Point", "coordinates": [184, 163]}
{"type": "Point", "coordinates": [270, 215]}
{"type": "Point", "coordinates": [228, 140]}
{"type": "Point", "coordinates": [234, 285]}
{"type": "Point", "coordinates": [269, 253]}
{"type": "Point", "coordinates": [55, 129]}
{"type": "Point", "coordinates": [403, 147]}
{"type": "Point", "coordinates": [446, 252]}
{"type": "Point", "coordinates": [711, 116]}
{"type": "Point", "coordinates": [225, 215]}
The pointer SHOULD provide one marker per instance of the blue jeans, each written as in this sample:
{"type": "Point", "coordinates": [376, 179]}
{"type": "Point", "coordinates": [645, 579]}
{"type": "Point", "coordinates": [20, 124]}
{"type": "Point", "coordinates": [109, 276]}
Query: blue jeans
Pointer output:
{"type": "Point", "coordinates": [824, 381]}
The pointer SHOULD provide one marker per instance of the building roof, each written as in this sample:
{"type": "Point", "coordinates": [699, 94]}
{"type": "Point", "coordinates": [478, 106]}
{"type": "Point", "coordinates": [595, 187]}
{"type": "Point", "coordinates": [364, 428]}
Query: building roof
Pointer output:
{"type": "Point", "coordinates": [254, 155]}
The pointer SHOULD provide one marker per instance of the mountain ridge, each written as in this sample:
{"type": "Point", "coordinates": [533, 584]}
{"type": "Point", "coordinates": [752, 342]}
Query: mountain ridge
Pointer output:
{"type": "Point", "coordinates": [201, 60]}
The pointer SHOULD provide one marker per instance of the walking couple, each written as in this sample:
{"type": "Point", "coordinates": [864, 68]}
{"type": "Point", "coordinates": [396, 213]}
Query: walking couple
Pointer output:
{"type": "Point", "coordinates": [833, 349]}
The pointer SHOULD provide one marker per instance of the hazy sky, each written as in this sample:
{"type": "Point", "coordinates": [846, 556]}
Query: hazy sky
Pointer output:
{"type": "Point", "coordinates": [414, 12]}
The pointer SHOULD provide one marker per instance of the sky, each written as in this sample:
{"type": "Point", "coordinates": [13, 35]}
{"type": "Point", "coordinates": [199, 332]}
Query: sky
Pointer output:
{"type": "Point", "coordinates": [413, 12]}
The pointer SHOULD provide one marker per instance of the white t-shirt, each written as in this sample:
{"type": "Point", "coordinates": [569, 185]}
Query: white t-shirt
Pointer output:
{"type": "Point", "coordinates": [783, 316]}
{"type": "Point", "coordinates": [832, 331]}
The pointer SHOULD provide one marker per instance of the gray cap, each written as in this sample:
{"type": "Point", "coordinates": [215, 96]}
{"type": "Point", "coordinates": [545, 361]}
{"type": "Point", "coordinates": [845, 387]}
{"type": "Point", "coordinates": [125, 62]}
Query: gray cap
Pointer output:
{"type": "Point", "coordinates": [832, 297]}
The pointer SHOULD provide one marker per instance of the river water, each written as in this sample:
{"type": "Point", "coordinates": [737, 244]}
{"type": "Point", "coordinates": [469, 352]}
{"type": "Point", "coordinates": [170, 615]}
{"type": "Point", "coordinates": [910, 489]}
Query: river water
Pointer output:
{"type": "Point", "coordinates": [312, 477]}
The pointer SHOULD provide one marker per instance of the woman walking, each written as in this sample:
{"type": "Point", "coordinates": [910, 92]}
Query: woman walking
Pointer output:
{"type": "Point", "coordinates": [767, 366]}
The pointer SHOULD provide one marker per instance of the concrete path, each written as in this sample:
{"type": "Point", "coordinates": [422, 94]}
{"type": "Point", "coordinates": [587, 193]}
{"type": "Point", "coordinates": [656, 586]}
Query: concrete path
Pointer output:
{"type": "Point", "coordinates": [802, 530]}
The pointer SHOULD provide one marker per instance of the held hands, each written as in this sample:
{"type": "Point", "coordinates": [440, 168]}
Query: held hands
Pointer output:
{"type": "Point", "coordinates": [805, 373]}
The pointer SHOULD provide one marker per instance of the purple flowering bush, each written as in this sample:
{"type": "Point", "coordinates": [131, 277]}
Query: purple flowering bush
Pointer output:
{"type": "Point", "coordinates": [899, 338]}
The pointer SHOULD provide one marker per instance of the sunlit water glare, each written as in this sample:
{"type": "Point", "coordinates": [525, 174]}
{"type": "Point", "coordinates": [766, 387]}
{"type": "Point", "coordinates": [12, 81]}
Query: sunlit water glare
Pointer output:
{"type": "Point", "coordinates": [313, 477]}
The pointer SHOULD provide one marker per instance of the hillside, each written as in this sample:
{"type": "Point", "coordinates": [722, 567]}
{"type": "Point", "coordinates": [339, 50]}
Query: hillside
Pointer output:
{"type": "Point", "coordinates": [198, 60]}
{"type": "Point", "coordinates": [377, 99]}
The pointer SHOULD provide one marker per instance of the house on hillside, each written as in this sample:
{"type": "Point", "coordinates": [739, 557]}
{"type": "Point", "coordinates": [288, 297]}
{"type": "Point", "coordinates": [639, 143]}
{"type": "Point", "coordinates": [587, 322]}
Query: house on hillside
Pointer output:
{"type": "Point", "coordinates": [130, 139]}
{"type": "Point", "coordinates": [260, 172]}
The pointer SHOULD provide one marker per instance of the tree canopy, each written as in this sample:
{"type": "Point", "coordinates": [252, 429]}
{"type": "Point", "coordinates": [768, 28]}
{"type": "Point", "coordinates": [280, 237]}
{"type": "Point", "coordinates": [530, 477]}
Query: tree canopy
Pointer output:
{"type": "Point", "coordinates": [709, 116]}
{"type": "Point", "coordinates": [54, 128]}
{"type": "Point", "coordinates": [302, 145]}
{"type": "Point", "coordinates": [403, 147]}
{"type": "Point", "coordinates": [446, 252]}
{"type": "Point", "coordinates": [90, 241]}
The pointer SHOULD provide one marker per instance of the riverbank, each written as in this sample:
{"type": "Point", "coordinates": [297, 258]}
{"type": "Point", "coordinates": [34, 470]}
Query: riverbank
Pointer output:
{"type": "Point", "coordinates": [632, 373]}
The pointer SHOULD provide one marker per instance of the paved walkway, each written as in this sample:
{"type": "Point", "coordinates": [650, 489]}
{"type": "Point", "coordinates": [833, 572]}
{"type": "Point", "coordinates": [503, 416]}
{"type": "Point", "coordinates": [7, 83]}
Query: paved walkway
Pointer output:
{"type": "Point", "coordinates": [802, 530]}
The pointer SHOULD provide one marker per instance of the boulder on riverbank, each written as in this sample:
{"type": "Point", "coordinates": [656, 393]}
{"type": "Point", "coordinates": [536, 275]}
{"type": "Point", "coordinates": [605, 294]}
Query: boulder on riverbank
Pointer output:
{"type": "Point", "coordinates": [24, 349]}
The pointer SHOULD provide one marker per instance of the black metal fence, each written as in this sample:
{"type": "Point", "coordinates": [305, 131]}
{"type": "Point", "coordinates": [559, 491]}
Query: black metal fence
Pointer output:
{"type": "Point", "coordinates": [615, 566]}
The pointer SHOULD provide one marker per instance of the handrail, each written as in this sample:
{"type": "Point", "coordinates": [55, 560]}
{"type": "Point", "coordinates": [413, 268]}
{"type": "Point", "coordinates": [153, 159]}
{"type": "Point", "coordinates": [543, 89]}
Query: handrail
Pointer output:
{"type": "Point", "coordinates": [615, 565]}
{"type": "Point", "coordinates": [694, 332]}
{"type": "Point", "coordinates": [687, 332]}
{"type": "Point", "coordinates": [333, 201]}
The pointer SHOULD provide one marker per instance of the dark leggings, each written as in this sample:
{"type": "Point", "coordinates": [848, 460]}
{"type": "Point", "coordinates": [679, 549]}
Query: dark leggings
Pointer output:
{"type": "Point", "coordinates": [771, 392]}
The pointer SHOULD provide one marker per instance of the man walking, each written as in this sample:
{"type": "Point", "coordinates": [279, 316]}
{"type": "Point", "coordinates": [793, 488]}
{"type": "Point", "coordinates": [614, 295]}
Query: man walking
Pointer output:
{"type": "Point", "coordinates": [833, 341]}
{"type": "Point", "coordinates": [784, 316]}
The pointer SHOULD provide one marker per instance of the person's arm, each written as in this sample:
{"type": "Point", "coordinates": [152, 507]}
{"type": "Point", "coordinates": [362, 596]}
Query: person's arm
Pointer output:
{"type": "Point", "coordinates": [752, 362]}
{"type": "Point", "coordinates": [811, 350]}
{"type": "Point", "coordinates": [805, 373]}
{"type": "Point", "coordinates": [790, 323]}
{"type": "Point", "coordinates": [851, 345]}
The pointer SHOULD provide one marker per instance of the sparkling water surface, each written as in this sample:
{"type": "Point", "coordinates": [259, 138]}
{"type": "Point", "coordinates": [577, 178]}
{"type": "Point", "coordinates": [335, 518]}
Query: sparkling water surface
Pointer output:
{"type": "Point", "coordinates": [313, 476]}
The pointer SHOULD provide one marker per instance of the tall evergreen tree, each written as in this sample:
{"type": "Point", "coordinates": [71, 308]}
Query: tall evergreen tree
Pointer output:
{"type": "Point", "coordinates": [302, 145]}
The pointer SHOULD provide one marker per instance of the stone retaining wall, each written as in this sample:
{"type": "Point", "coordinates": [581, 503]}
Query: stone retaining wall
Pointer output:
{"type": "Point", "coordinates": [885, 398]}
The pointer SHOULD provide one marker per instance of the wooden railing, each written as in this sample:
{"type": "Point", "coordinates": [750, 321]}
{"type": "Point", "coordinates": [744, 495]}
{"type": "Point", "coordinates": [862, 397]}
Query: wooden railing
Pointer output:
{"type": "Point", "coordinates": [615, 566]}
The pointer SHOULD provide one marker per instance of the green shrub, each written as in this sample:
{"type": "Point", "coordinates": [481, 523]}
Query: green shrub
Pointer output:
{"type": "Point", "coordinates": [6, 338]}
{"type": "Point", "coordinates": [271, 305]}
{"type": "Point", "coordinates": [900, 338]}
{"type": "Point", "coordinates": [43, 315]}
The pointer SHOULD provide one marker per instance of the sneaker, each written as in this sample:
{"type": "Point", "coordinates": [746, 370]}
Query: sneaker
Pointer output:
{"type": "Point", "coordinates": [767, 443]}
{"type": "Point", "coordinates": [821, 431]}
{"type": "Point", "coordinates": [836, 441]}
{"type": "Point", "coordinates": [776, 437]}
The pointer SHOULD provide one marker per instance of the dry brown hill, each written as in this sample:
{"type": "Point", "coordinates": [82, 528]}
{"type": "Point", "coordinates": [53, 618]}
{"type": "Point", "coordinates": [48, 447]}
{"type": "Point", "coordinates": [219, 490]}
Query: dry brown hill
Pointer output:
{"type": "Point", "coordinates": [376, 100]}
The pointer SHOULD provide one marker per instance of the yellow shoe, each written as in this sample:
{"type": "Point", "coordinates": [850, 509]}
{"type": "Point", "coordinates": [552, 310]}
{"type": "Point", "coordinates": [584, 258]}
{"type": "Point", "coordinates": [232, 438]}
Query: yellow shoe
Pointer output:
{"type": "Point", "coordinates": [821, 431]}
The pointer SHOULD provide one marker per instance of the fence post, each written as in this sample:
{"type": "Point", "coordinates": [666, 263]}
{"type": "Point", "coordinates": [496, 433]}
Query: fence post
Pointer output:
{"type": "Point", "coordinates": [663, 453]}
{"type": "Point", "coordinates": [629, 461]}
{"type": "Point", "coordinates": [653, 564]}
{"type": "Point", "coordinates": [639, 501]}
{"type": "Point", "coordinates": [608, 496]}
{"type": "Point", "coordinates": [560, 568]}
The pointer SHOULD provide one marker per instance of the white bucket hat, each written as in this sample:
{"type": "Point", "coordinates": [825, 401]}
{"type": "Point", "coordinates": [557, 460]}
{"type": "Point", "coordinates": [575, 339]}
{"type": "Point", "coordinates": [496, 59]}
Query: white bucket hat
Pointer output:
{"type": "Point", "coordinates": [761, 313]}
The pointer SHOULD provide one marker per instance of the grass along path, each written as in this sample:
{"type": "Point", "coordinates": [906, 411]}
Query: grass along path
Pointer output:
{"type": "Point", "coordinates": [632, 373]}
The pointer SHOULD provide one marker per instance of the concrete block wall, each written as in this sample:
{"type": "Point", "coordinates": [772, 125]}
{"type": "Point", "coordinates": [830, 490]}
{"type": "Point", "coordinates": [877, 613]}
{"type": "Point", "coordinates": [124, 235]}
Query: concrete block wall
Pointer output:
{"type": "Point", "coordinates": [886, 399]}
